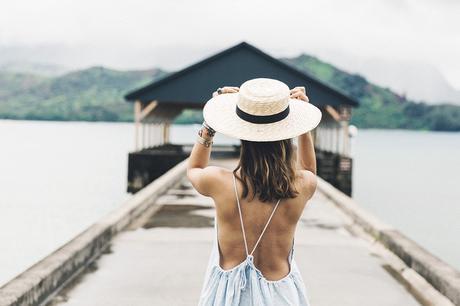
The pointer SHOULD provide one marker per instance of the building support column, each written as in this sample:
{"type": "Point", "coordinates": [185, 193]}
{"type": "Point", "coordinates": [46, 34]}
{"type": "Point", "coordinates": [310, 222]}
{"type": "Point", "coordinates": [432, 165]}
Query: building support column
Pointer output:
{"type": "Point", "coordinates": [137, 115]}
{"type": "Point", "coordinates": [166, 128]}
{"type": "Point", "coordinates": [141, 130]}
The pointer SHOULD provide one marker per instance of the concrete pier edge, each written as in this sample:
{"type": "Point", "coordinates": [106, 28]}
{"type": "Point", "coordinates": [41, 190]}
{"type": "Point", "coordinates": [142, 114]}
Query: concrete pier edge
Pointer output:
{"type": "Point", "coordinates": [443, 277]}
{"type": "Point", "coordinates": [42, 280]}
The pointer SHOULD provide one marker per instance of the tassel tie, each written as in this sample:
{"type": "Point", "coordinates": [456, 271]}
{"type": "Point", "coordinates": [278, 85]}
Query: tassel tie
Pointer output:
{"type": "Point", "coordinates": [244, 274]}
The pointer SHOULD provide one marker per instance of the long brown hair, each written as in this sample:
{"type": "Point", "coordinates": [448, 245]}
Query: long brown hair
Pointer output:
{"type": "Point", "coordinates": [269, 167]}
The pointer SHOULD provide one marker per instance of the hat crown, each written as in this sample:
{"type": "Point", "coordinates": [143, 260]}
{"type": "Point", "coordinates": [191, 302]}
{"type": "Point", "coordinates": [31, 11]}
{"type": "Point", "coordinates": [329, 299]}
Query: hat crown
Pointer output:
{"type": "Point", "coordinates": [263, 96]}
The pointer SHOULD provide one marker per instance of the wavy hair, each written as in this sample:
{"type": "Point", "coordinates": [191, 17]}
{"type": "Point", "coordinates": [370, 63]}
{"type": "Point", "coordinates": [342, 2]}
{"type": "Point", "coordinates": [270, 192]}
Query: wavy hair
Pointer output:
{"type": "Point", "coordinates": [269, 167]}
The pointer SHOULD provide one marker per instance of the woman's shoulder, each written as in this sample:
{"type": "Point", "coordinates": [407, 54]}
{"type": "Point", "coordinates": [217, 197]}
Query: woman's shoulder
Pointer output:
{"type": "Point", "coordinates": [305, 179]}
{"type": "Point", "coordinates": [208, 179]}
{"type": "Point", "coordinates": [218, 177]}
{"type": "Point", "coordinates": [307, 182]}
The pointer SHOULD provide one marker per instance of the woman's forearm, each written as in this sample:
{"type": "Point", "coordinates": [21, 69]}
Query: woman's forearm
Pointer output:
{"type": "Point", "coordinates": [199, 157]}
{"type": "Point", "coordinates": [306, 152]}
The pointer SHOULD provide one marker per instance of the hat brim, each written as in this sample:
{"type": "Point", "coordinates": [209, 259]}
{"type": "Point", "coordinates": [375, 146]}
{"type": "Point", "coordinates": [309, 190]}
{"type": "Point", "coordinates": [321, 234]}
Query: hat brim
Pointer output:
{"type": "Point", "coordinates": [219, 113]}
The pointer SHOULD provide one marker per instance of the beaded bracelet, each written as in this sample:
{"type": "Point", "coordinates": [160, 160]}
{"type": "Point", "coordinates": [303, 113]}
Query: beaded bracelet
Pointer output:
{"type": "Point", "coordinates": [211, 131]}
{"type": "Point", "coordinates": [206, 142]}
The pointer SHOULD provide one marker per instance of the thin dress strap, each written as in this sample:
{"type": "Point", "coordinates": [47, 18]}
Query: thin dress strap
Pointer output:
{"type": "Point", "coordinates": [241, 217]}
{"type": "Point", "coordinates": [241, 220]}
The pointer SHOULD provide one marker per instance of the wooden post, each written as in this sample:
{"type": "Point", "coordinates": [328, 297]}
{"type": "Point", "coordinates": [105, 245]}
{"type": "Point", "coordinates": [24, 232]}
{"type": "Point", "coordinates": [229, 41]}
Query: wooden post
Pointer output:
{"type": "Point", "coordinates": [166, 132]}
{"type": "Point", "coordinates": [321, 138]}
{"type": "Point", "coordinates": [337, 139]}
{"type": "Point", "coordinates": [326, 138]}
{"type": "Point", "coordinates": [154, 134]}
{"type": "Point", "coordinates": [156, 139]}
{"type": "Point", "coordinates": [142, 135]}
{"type": "Point", "coordinates": [151, 142]}
{"type": "Point", "coordinates": [161, 133]}
{"type": "Point", "coordinates": [137, 112]}
{"type": "Point", "coordinates": [141, 130]}
{"type": "Point", "coordinates": [318, 137]}
{"type": "Point", "coordinates": [169, 133]}
{"type": "Point", "coordinates": [346, 139]}
{"type": "Point", "coordinates": [345, 115]}
{"type": "Point", "coordinates": [147, 134]}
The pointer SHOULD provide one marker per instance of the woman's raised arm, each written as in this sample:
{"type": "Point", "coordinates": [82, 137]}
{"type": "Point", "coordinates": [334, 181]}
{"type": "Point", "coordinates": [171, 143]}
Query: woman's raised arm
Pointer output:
{"type": "Point", "coordinates": [305, 151]}
{"type": "Point", "coordinates": [199, 173]}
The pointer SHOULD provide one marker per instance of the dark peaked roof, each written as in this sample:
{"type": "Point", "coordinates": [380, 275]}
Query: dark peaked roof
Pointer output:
{"type": "Point", "coordinates": [194, 85]}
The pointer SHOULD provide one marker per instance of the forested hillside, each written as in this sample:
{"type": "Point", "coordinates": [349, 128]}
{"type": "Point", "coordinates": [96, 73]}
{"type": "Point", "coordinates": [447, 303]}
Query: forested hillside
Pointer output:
{"type": "Point", "coordinates": [94, 94]}
{"type": "Point", "coordinates": [380, 107]}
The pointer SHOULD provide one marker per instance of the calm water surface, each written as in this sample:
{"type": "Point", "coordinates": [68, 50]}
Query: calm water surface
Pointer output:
{"type": "Point", "coordinates": [411, 180]}
{"type": "Point", "coordinates": [57, 178]}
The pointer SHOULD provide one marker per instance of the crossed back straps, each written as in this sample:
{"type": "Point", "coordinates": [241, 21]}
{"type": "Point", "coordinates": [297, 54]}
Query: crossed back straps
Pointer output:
{"type": "Point", "coordinates": [241, 220]}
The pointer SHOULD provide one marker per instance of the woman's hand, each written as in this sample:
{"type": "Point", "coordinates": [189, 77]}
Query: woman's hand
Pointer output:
{"type": "Point", "coordinates": [226, 89]}
{"type": "Point", "coordinates": [299, 93]}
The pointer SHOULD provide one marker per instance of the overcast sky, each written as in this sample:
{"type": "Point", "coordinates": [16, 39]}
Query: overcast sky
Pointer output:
{"type": "Point", "coordinates": [174, 33]}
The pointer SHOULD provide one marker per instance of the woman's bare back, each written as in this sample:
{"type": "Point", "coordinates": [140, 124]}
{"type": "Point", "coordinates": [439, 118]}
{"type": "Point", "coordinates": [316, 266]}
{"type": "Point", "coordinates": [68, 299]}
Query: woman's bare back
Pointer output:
{"type": "Point", "coordinates": [271, 254]}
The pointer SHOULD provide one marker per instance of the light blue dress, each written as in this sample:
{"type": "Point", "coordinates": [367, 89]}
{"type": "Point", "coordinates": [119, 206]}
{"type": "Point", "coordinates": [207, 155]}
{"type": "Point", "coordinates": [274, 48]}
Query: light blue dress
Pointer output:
{"type": "Point", "coordinates": [244, 284]}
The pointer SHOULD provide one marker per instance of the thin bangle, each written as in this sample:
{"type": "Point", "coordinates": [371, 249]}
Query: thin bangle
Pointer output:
{"type": "Point", "coordinates": [211, 131]}
{"type": "Point", "coordinates": [210, 134]}
{"type": "Point", "coordinates": [206, 142]}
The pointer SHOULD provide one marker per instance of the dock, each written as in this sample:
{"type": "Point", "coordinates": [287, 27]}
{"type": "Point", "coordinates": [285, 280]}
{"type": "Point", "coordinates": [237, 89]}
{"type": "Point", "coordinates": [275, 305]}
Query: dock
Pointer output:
{"type": "Point", "coordinates": [154, 249]}
{"type": "Point", "coordinates": [163, 261]}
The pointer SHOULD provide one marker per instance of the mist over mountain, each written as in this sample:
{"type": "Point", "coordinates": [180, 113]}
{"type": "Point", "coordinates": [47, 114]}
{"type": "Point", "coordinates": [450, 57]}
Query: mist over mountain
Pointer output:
{"type": "Point", "coordinates": [413, 79]}
{"type": "Point", "coordinates": [380, 107]}
{"type": "Point", "coordinates": [39, 69]}
{"type": "Point", "coordinates": [416, 80]}
{"type": "Point", "coordinates": [96, 94]}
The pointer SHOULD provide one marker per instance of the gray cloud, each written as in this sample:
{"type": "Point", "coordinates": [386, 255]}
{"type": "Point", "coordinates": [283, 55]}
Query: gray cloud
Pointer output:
{"type": "Point", "coordinates": [171, 34]}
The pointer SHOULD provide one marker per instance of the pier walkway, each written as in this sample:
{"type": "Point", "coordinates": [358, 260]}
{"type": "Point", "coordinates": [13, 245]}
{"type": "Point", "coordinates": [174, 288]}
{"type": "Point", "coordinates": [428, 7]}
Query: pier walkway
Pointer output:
{"type": "Point", "coordinates": [161, 259]}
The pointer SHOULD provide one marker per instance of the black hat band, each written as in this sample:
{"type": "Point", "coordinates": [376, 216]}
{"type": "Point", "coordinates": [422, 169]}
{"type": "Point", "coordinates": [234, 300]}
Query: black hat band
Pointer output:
{"type": "Point", "coordinates": [262, 118]}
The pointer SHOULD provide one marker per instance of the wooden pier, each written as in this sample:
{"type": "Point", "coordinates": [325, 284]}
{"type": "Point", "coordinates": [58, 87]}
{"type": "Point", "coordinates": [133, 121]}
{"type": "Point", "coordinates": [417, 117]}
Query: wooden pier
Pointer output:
{"type": "Point", "coordinates": [162, 260]}
{"type": "Point", "coordinates": [153, 250]}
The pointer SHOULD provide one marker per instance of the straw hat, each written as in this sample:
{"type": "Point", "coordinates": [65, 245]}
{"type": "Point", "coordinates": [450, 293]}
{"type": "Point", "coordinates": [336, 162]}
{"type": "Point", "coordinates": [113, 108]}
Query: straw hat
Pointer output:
{"type": "Point", "coordinates": [262, 110]}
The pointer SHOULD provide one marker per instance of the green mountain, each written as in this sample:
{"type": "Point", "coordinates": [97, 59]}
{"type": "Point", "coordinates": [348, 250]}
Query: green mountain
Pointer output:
{"type": "Point", "coordinates": [94, 94]}
{"type": "Point", "coordinates": [380, 107]}
{"type": "Point", "coordinates": [13, 83]}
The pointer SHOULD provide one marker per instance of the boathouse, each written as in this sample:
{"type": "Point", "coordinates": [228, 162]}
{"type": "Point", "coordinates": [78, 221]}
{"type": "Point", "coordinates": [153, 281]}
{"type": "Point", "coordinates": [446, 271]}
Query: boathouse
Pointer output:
{"type": "Point", "coordinates": [156, 105]}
